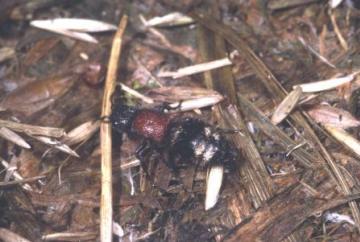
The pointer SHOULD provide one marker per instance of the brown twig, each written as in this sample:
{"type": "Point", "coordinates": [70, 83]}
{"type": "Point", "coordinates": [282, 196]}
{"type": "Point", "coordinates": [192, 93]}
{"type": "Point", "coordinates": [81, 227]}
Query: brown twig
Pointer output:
{"type": "Point", "coordinates": [337, 31]}
{"type": "Point", "coordinates": [105, 135]}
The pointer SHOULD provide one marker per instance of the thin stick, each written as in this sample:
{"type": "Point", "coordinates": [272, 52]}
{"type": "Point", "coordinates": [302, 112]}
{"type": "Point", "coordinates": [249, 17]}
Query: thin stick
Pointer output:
{"type": "Point", "coordinates": [337, 31]}
{"type": "Point", "coordinates": [318, 55]}
{"type": "Point", "coordinates": [105, 136]}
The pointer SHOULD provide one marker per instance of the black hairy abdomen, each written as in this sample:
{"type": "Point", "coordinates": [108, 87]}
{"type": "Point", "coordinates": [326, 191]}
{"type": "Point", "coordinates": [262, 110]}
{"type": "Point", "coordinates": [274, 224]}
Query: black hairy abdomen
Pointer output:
{"type": "Point", "coordinates": [190, 140]}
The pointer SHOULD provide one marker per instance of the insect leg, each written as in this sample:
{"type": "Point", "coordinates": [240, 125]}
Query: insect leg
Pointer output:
{"type": "Point", "coordinates": [166, 107]}
{"type": "Point", "coordinates": [169, 160]}
{"type": "Point", "coordinates": [142, 153]}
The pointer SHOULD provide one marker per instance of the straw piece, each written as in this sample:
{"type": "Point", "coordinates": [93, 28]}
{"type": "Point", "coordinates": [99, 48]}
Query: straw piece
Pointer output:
{"type": "Point", "coordinates": [106, 212]}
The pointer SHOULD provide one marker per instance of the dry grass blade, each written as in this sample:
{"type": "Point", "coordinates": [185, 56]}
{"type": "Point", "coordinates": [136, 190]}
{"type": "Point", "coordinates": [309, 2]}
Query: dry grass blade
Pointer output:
{"type": "Point", "coordinates": [76, 24]}
{"type": "Point", "coordinates": [131, 163]}
{"type": "Point", "coordinates": [322, 58]}
{"type": "Point", "coordinates": [327, 84]}
{"type": "Point", "coordinates": [345, 138]}
{"type": "Point", "coordinates": [192, 104]}
{"type": "Point", "coordinates": [106, 211]}
{"type": "Point", "coordinates": [286, 106]}
{"type": "Point", "coordinates": [337, 31]}
{"type": "Point", "coordinates": [32, 129]}
{"type": "Point", "coordinates": [25, 180]}
{"type": "Point", "coordinates": [56, 144]}
{"type": "Point", "coordinates": [178, 93]}
{"type": "Point", "coordinates": [171, 19]}
{"type": "Point", "coordinates": [70, 236]}
{"type": "Point", "coordinates": [74, 27]}
{"type": "Point", "coordinates": [15, 174]}
{"type": "Point", "coordinates": [81, 133]}
{"type": "Point", "coordinates": [278, 5]}
{"type": "Point", "coordinates": [72, 34]}
{"type": "Point", "coordinates": [195, 69]}
{"type": "Point", "coordinates": [13, 137]}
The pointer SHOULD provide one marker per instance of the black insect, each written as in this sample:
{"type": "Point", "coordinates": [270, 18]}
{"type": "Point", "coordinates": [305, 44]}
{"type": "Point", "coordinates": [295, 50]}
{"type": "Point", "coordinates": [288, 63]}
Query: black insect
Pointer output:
{"type": "Point", "coordinates": [181, 140]}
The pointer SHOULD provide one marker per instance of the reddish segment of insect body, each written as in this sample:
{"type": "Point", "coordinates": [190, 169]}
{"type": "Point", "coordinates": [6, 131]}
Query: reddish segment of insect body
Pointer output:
{"type": "Point", "coordinates": [150, 124]}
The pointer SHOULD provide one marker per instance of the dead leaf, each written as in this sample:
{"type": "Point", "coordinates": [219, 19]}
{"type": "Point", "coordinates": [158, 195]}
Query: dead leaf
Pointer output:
{"type": "Point", "coordinates": [28, 165]}
{"type": "Point", "coordinates": [37, 95]}
{"type": "Point", "coordinates": [334, 117]}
